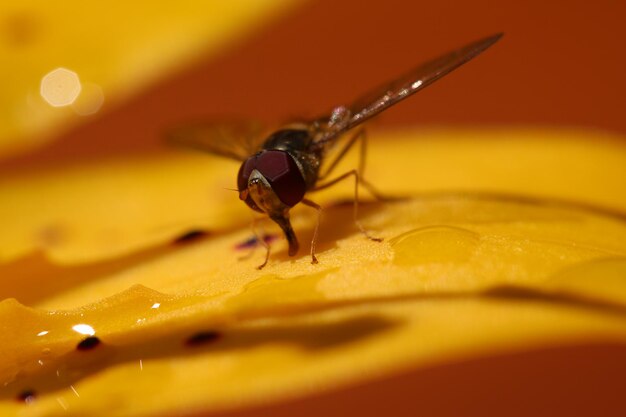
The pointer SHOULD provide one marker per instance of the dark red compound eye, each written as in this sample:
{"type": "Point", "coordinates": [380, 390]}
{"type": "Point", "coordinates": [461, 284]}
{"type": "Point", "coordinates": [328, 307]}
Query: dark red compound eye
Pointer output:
{"type": "Point", "coordinates": [242, 180]}
{"type": "Point", "coordinates": [281, 172]}
{"type": "Point", "coordinates": [244, 172]}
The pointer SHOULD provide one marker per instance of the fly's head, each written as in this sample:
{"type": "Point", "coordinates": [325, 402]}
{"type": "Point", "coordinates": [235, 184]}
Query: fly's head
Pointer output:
{"type": "Point", "coordinates": [271, 182]}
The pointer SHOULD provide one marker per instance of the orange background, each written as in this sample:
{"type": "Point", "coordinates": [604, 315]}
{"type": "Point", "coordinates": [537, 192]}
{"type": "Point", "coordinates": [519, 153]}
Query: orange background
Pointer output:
{"type": "Point", "coordinates": [574, 381]}
{"type": "Point", "coordinates": [560, 63]}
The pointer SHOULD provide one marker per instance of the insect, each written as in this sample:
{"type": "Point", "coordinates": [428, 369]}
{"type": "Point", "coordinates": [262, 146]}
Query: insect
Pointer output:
{"type": "Point", "coordinates": [278, 170]}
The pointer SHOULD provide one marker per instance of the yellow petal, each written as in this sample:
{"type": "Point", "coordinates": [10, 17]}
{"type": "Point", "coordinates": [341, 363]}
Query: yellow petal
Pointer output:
{"type": "Point", "coordinates": [101, 210]}
{"type": "Point", "coordinates": [112, 50]}
{"type": "Point", "coordinates": [191, 327]}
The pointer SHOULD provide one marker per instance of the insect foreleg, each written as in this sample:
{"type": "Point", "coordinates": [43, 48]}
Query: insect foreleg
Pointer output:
{"type": "Point", "coordinates": [260, 239]}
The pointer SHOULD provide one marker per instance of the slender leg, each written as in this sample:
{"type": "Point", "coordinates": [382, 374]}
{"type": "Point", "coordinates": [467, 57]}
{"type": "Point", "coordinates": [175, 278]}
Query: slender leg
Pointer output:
{"type": "Point", "coordinates": [258, 237]}
{"type": "Point", "coordinates": [360, 134]}
{"type": "Point", "coordinates": [267, 254]}
{"type": "Point", "coordinates": [261, 240]}
{"type": "Point", "coordinates": [357, 180]}
{"type": "Point", "coordinates": [317, 225]}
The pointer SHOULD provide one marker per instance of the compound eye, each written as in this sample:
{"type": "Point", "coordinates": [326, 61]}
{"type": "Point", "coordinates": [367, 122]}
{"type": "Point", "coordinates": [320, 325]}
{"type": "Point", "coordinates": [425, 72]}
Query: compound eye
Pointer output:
{"type": "Point", "coordinates": [282, 173]}
{"type": "Point", "coordinates": [244, 172]}
{"type": "Point", "coordinates": [242, 180]}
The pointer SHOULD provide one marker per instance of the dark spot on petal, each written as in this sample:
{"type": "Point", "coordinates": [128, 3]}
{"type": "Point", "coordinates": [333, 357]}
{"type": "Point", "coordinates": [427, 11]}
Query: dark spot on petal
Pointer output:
{"type": "Point", "coordinates": [52, 235]}
{"type": "Point", "coordinates": [190, 236]}
{"type": "Point", "coordinates": [88, 343]}
{"type": "Point", "coordinates": [20, 29]}
{"type": "Point", "coordinates": [202, 338]}
{"type": "Point", "coordinates": [27, 396]}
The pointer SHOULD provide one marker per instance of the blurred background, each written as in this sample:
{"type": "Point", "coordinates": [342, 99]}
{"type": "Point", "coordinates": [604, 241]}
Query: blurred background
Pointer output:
{"type": "Point", "coordinates": [145, 68]}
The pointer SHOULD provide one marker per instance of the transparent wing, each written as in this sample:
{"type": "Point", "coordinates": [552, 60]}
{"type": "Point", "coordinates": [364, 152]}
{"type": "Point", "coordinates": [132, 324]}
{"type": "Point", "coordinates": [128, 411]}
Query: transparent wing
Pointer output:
{"type": "Point", "coordinates": [386, 96]}
{"type": "Point", "coordinates": [237, 140]}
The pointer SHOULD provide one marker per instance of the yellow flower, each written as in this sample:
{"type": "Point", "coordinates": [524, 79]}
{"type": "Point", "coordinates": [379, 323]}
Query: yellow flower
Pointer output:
{"type": "Point", "coordinates": [493, 268]}
{"type": "Point", "coordinates": [128, 284]}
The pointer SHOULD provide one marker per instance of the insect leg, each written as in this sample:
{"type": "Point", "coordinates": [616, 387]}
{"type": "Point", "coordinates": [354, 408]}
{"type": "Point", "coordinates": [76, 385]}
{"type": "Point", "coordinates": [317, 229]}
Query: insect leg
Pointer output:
{"type": "Point", "coordinates": [362, 135]}
{"type": "Point", "coordinates": [359, 134]}
{"type": "Point", "coordinates": [357, 180]}
{"type": "Point", "coordinates": [253, 228]}
{"type": "Point", "coordinates": [261, 240]}
{"type": "Point", "coordinates": [317, 225]}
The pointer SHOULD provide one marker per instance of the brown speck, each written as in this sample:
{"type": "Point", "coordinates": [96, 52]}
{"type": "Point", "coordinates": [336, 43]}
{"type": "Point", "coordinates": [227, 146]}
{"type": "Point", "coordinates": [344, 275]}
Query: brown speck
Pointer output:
{"type": "Point", "coordinates": [88, 343]}
{"type": "Point", "coordinates": [20, 29]}
{"type": "Point", "coordinates": [27, 396]}
{"type": "Point", "coordinates": [202, 338]}
{"type": "Point", "coordinates": [52, 235]}
{"type": "Point", "coordinates": [190, 236]}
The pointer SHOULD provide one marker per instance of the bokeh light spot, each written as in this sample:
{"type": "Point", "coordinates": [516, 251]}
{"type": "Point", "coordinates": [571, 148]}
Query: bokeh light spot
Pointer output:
{"type": "Point", "coordinates": [60, 87]}
{"type": "Point", "coordinates": [90, 99]}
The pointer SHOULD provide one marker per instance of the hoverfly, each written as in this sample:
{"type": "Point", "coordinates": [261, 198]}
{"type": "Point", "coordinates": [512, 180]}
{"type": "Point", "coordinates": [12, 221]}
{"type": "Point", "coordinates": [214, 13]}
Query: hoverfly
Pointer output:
{"type": "Point", "coordinates": [278, 171]}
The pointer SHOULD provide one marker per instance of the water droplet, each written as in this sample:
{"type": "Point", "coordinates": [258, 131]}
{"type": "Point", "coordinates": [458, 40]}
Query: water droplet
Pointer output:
{"type": "Point", "coordinates": [439, 244]}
